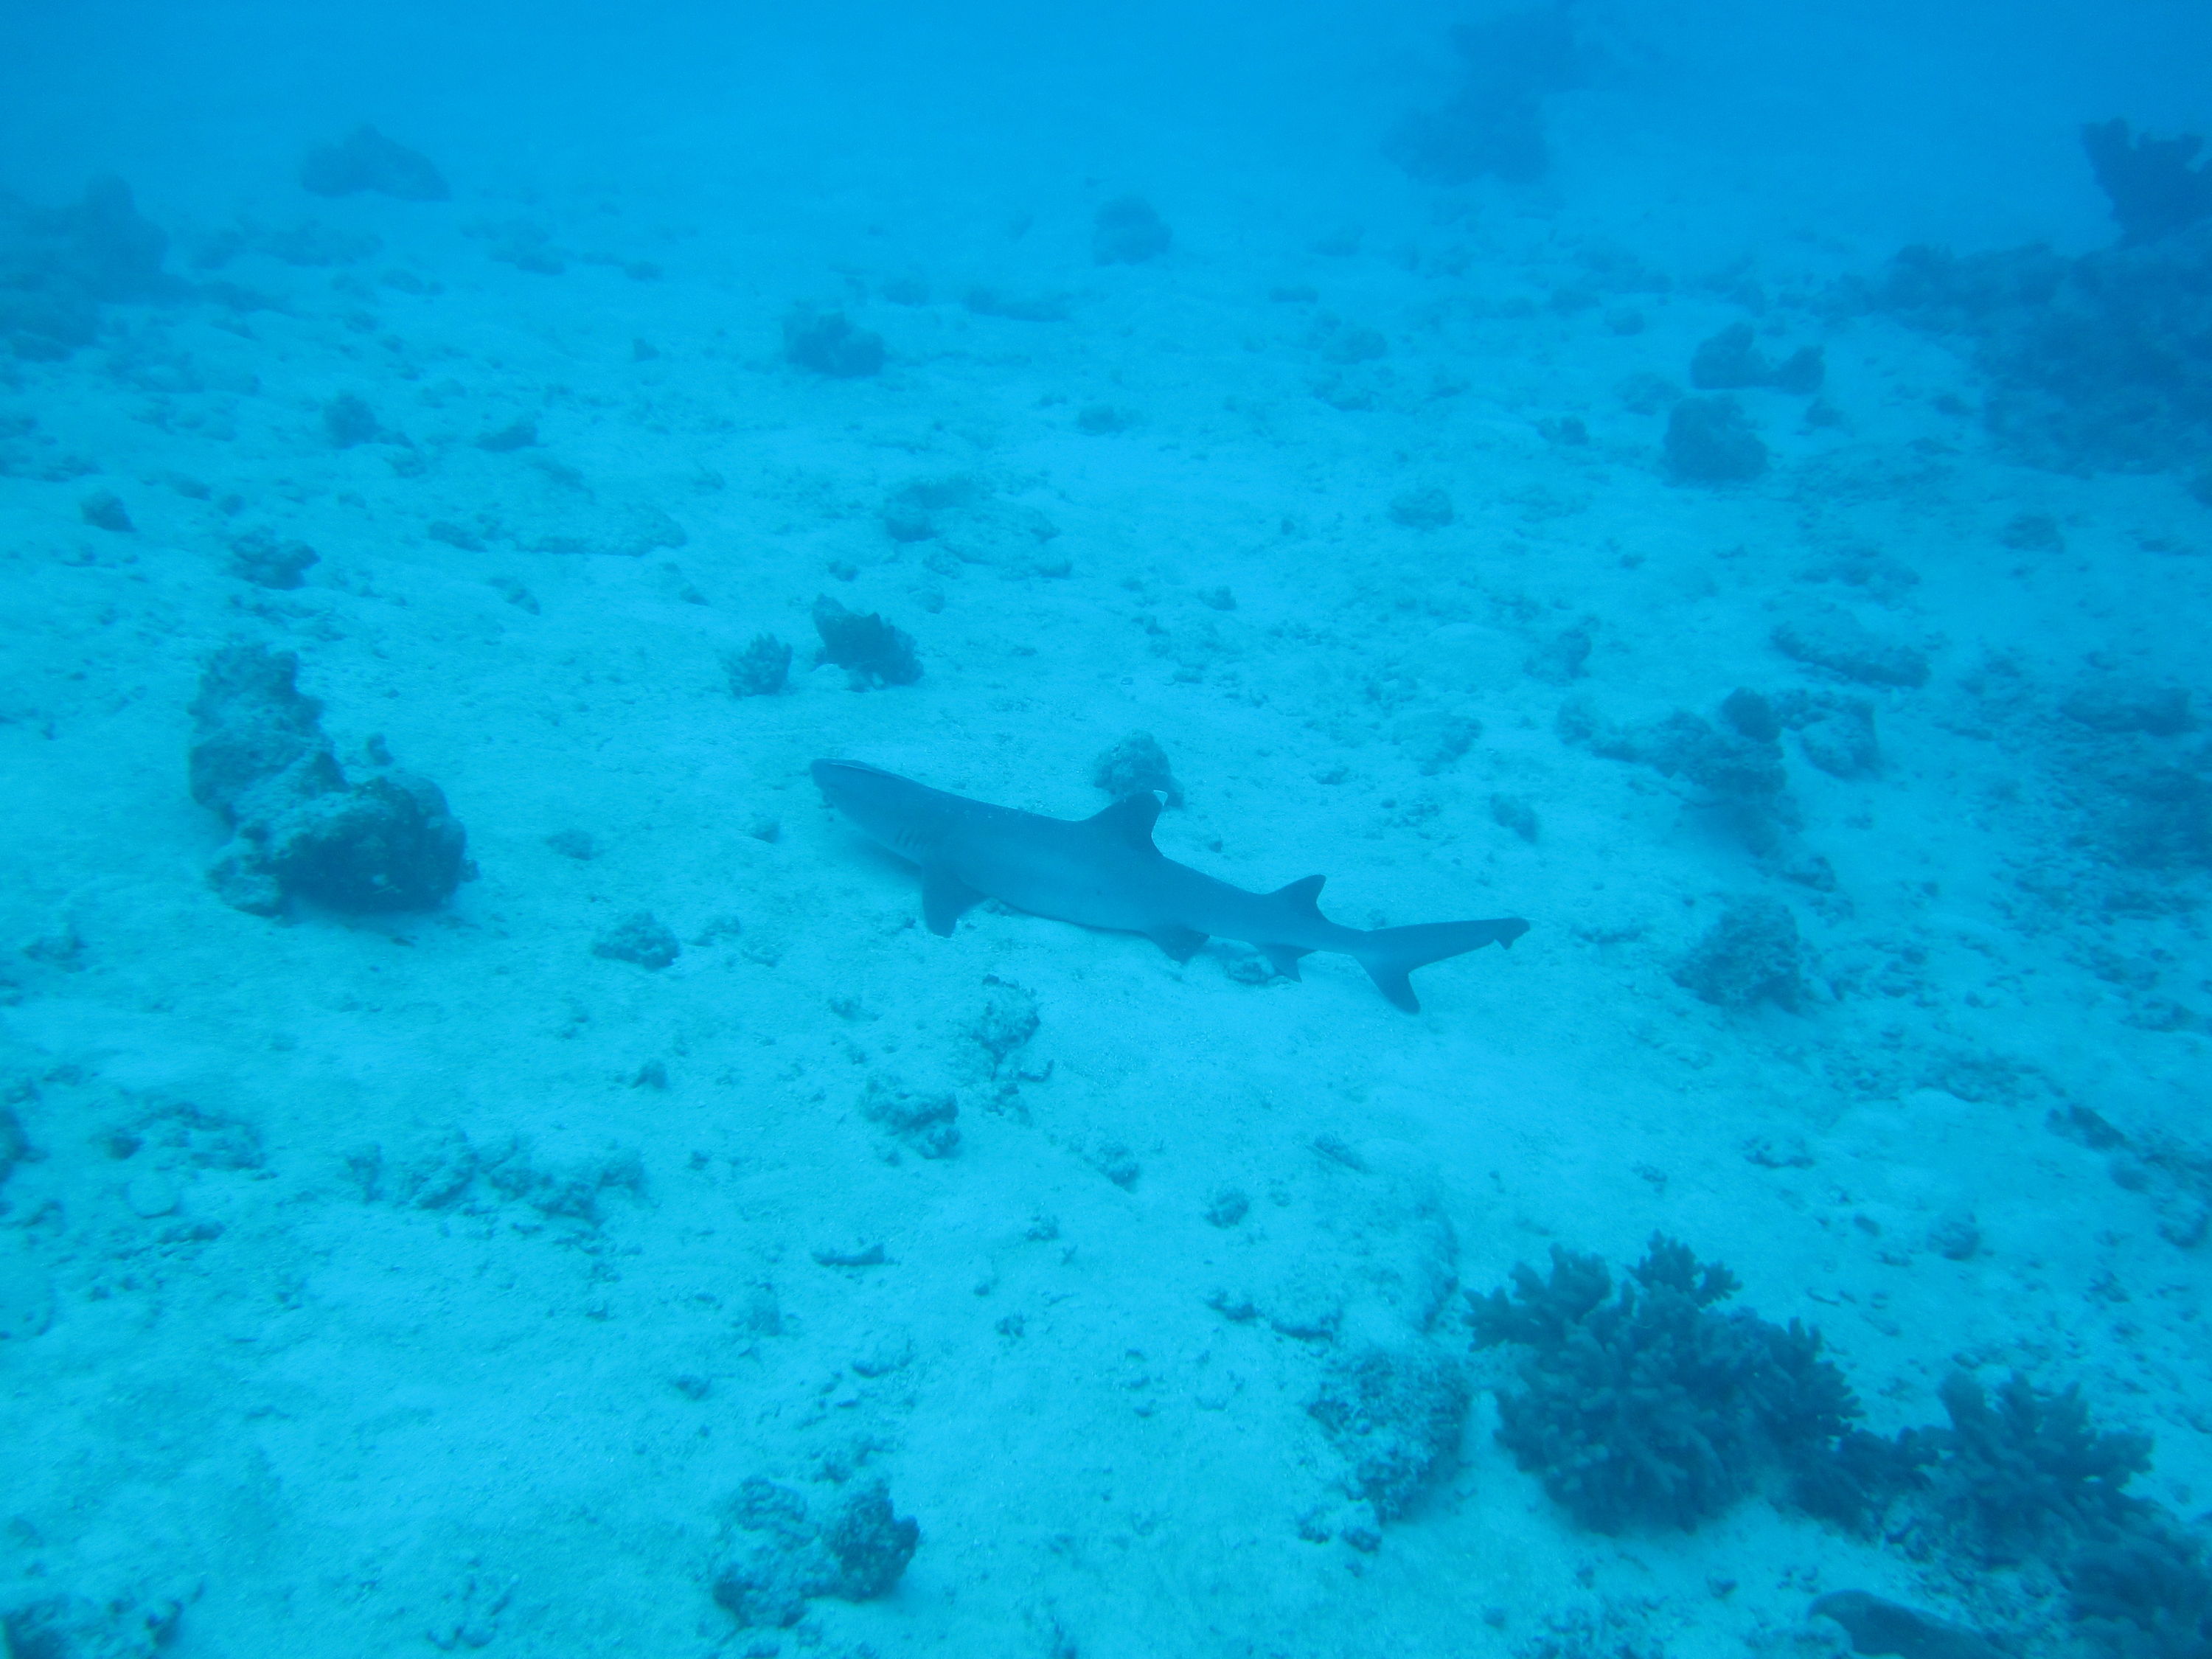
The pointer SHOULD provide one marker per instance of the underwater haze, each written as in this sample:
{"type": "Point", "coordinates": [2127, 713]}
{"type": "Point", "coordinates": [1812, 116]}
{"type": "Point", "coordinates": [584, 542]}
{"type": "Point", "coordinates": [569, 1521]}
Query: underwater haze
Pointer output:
{"type": "Point", "coordinates": [675, 682]}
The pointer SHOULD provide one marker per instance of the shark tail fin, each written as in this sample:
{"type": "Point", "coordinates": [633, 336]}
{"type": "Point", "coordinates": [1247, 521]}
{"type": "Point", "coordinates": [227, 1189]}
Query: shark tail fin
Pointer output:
{"type": "Point", "coordinates": [1389, 954]}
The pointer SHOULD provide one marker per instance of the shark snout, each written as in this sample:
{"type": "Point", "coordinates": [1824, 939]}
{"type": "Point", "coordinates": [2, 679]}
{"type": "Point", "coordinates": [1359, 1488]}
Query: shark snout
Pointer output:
{"type": "Point", "coordinates": [885, 805]}
{"type": "Point", "coordinates": [846, 781]}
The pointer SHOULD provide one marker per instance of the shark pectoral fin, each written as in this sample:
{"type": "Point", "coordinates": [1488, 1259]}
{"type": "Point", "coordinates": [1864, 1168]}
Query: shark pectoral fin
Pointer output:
{"type": "Point", "coordinates": [1284, 958]}
{"type": "Point", "coordinates": [945, 898]}
{"type": "Point", "coordinates": [1129, 820]}
{"type": "Point", "coordinates": [1181, 943]}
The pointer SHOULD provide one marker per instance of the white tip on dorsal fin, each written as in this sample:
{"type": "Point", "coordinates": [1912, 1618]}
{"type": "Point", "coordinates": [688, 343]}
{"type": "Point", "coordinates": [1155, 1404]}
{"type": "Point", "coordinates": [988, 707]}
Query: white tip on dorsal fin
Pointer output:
{"type": "Point", "coordinates": [1302, 895]}
{"type": "Point", "coordinates": [1130, 818]}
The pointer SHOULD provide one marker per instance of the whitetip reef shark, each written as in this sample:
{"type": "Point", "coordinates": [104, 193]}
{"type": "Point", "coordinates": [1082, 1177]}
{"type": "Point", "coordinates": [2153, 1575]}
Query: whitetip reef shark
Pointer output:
{"type": "Point", "coordinates": [1104, 871]}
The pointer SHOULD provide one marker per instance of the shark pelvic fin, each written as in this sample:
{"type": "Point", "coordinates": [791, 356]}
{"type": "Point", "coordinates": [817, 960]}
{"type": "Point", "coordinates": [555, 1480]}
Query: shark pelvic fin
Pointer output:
{"type": "Point", "coordinates": [944, 899]}
{"type": "Point", "coordinates": [1181, 943]}
{"type": "Point", "coordinates": [1284, 958]}
{"type": "Point", "coordinates": [1130, 820]}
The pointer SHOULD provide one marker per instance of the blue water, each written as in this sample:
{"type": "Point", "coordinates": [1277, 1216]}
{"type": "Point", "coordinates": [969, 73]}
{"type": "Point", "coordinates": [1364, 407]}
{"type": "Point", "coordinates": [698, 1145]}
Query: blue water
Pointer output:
{"type": "Point", "coordinates": [491, 1160]}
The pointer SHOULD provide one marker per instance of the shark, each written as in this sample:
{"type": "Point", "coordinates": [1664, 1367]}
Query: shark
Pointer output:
{"type": "Point", "coordinates": [1105, 871]}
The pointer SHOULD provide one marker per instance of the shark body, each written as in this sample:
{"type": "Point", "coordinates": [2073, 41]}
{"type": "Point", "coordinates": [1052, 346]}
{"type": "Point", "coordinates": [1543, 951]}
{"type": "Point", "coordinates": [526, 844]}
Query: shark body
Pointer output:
{"type": "Point", "coordinates": [1104, 871]}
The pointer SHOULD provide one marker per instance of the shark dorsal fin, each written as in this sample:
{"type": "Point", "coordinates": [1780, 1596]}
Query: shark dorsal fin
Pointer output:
{"type": "Point", "coordinates": [1302, 895]}
{"type": "Point", "coordinates": [1130, 820]}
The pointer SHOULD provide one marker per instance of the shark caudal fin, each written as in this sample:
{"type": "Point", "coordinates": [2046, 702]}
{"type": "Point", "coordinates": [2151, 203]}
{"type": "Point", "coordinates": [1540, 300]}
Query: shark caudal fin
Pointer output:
{"type": "Point", "coordinates": [1389, 954]}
